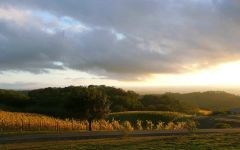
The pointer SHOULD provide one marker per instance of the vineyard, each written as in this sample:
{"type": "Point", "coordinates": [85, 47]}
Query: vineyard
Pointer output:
{"type": "Point", "coordinates": [154, 116]}
{"type": "Point", "coordinates": [14, 121]}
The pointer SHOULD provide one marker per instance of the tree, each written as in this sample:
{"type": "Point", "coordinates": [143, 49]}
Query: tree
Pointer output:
{"type": "Point", "coordinates": [161, 102]}
{"type": "Point", "coordinates": [88, 103]}
{"type": "Point", "coordinates": [13, 99]}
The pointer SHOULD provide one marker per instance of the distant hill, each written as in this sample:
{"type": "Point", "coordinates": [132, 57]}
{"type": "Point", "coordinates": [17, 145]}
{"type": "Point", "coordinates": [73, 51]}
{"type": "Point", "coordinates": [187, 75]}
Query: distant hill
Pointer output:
{"type": "Point", "coordinates": [213, 100]}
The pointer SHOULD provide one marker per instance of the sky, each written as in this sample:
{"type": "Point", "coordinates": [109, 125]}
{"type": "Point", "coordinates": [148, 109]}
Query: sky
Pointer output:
{"type": "Point", "coordinates": [124, 43]}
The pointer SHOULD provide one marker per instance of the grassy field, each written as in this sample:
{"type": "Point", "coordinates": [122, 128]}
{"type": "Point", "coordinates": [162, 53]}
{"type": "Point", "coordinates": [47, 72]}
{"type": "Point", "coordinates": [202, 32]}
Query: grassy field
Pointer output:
{"type": "Point", "coordinates": [187, 142]}
{"type": "Point", "coordinates": [211, 121]}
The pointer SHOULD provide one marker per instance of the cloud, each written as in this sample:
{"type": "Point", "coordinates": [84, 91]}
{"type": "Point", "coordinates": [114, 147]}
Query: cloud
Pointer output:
{"type": "Point", "coordinates": [124, 40]}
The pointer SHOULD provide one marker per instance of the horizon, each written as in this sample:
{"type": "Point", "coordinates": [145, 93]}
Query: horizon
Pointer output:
{"type": "Point", "coordinates": [163, 44]}
{"type": "Point", "coordinates": [156, 89]}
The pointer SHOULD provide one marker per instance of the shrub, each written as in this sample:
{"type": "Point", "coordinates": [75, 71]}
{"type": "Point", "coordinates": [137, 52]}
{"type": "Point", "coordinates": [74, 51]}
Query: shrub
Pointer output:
{"type": "Point", "coordinates": [116, 125]}
{"type": "Point", "coordinates": [149, 125]}
{"type": "Point", "coordinates": [160, 126]}
{"type": "Point", "coordinates": [127, 126]}
{"type": "Point", "coordinates": [139, 125]}
{"type": "Point", "coordinates": [170, 126]}
{"type": "Point", "coordinates": [103, 125]}
{"type": "Point", "coordinates": [179, 125]}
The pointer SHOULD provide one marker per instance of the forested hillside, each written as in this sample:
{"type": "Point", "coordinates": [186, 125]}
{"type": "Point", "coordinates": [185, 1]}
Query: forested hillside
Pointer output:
{"type": "Point", "coordinates": [213, 100]}
{"type": "Point", "coordinates": [58, 101]}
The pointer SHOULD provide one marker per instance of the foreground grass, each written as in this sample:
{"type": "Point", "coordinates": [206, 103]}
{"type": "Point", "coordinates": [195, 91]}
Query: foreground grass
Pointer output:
{"type": "Point", "coordinates": [191, 142]}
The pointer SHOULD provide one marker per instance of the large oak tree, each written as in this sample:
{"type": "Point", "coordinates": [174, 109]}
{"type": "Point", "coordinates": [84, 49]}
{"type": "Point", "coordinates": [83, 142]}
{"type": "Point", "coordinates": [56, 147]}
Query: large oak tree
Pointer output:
{"type": "Point", "coordinates": [89, 103]}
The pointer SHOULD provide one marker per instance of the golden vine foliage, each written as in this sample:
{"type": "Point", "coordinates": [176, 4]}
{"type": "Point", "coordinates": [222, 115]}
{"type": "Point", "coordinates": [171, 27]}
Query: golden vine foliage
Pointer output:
{"type": "Point", "coordinates": [16, 121]}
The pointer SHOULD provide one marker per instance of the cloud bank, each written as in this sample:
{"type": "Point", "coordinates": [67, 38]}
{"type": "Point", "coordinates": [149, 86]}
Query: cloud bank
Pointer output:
{"type": "Point", "coordinates": [123, 40]}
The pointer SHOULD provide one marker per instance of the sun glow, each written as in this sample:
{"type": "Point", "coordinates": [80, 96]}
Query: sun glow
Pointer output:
{"type": "Point", "coordinates": [227, 74]}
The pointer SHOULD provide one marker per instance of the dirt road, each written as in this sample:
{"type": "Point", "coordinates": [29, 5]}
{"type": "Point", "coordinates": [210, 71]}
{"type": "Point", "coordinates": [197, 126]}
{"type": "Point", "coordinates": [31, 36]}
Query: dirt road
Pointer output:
{"type": "Point", "coordinates": [96, 135]}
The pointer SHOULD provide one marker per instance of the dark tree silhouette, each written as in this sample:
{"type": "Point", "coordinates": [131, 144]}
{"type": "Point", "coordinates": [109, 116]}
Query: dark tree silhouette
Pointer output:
{"type": "Point", "coordinates": [89, 103]}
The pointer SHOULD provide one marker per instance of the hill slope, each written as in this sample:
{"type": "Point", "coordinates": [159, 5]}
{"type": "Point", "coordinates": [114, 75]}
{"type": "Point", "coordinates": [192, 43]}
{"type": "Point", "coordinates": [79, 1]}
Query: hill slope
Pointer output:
{"type": "Point", "coordinates": [214, 100]}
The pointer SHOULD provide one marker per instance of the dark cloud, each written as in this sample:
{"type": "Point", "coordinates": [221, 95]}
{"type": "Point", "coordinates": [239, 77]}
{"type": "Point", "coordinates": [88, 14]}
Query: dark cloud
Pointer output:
{"type": "Point", "coordinates": [120, 39]}
{"type": "Point", "coordinates": [28, 49]}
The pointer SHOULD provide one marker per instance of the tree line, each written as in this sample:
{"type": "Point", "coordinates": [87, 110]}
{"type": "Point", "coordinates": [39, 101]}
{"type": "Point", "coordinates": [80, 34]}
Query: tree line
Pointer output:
{"type": "Point", "coordinates": [87, 102]}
